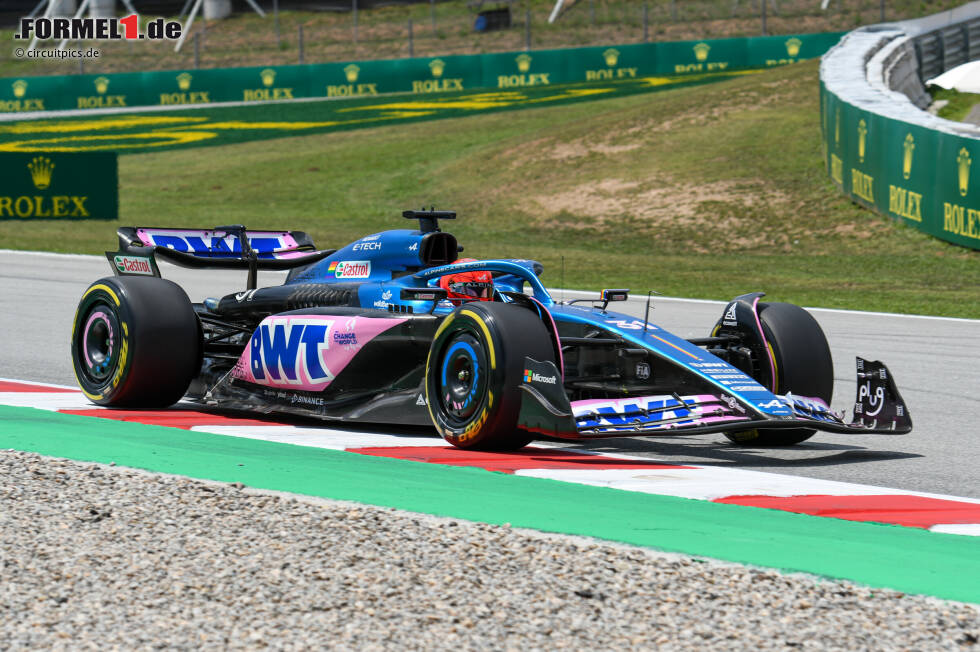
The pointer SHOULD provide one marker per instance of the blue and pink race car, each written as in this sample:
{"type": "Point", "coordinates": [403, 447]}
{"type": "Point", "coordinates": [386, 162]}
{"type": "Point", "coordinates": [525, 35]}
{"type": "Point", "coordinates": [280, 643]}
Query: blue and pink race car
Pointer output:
{"type": "Point", "coordinates": [395, 328]}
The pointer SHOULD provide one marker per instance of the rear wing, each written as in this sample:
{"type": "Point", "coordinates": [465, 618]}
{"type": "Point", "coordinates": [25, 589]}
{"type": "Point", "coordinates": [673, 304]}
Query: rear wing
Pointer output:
{"type": "Point", "coordinates": [224, 247]}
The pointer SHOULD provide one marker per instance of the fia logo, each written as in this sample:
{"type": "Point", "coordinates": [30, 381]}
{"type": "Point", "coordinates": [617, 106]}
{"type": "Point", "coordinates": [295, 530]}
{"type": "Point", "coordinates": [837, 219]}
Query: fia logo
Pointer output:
{"type": "Point", "coordinates": [642, 370]}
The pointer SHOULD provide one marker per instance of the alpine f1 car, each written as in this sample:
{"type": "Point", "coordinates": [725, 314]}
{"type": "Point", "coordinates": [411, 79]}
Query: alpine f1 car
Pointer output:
{"type": "Point", "coordinates": [396, 328]}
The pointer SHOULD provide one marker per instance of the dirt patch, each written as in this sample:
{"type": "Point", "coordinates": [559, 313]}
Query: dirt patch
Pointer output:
{"type": "Point", "coordinates": [724, 212]}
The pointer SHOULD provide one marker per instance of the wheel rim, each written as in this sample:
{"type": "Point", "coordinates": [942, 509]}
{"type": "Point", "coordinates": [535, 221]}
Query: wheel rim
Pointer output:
{"type": "Point", "coordinates": [100, 344]}
{"type": "Point", "coordinates": [462, 379]}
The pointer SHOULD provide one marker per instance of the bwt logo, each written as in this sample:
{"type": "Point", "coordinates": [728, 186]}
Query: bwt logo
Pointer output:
{"type": "Point", "coordinates": [290, 351]}
{"type": "Point", "coordinates": [217, 247]}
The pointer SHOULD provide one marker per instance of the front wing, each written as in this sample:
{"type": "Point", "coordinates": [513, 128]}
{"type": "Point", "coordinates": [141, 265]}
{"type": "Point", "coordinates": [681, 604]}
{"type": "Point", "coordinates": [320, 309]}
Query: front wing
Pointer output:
{"type": "Point", "coordinates": [878, 409]}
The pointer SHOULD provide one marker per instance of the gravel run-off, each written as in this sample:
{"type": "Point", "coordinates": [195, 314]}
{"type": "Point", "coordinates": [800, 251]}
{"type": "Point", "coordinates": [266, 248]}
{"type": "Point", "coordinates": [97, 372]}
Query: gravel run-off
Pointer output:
{"type": "Point", "coordinates": [97, 557]}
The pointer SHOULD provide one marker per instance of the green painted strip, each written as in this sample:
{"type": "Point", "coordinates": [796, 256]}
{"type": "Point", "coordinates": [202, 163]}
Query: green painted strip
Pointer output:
{"type": "Point", "coordinates": [223, 125]}
{"type": "Point", "coordinates": [904, 559]}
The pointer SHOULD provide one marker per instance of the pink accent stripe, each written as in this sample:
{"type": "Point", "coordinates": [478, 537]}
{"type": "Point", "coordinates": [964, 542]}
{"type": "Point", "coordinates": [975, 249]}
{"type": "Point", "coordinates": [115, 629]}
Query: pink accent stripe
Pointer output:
{"type": "Point", "coordinates": [528, 458]}
{"type": "Point", "coordinates": [11, 386]}
{"type": "Point", "coordinates": [910, 511]}
{"type": "Point", "coordinates": [554, 329]}
{"type": "Point", "coordinates": [765, 343]}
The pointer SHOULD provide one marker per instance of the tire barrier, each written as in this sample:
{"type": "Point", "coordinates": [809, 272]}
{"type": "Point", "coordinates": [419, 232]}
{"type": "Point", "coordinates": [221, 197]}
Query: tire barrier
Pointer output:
{"type": "Point", "coordinates": [881, 148]}
{"type": "Point", "coordinates": [420, 76]}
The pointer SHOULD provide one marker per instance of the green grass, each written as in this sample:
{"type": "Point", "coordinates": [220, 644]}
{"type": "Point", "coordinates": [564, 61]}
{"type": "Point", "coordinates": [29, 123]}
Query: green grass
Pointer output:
{"type": "Point", "coordinates": [959, 104]}
{"type": "Point", "coordinates": [702, 192]}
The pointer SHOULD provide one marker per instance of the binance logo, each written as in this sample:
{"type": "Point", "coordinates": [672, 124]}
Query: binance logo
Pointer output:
{"type": "Point", "coordinates": [437, 66]}
{"type": "Point", "coordinates": [523, 62]}
{"type": "Point", "coordinates": [20, 88]}
{"type": "Point", "coordinates": [184, 81]}
{"type": "Point", "coordinates": [611, 56]}
{"type": "Point", "coordinates": [964, 161]}
{"type": "Point", "coordinates": [793, 46]}
{"type": "Point", "coordinates": [351, 72]}
{"type": "Point", "coordinates": [701, 51]}
{"type": "Point", "coordinates": [862, 139]}
{"type": "Point", "coordinates": [101, 85]}
{"type": "Point", "coordinates": [41, 168]}
{"type": "Point", "coordinates": [268, 77]}
{"type": "Point", "coordinates": [909, 147]}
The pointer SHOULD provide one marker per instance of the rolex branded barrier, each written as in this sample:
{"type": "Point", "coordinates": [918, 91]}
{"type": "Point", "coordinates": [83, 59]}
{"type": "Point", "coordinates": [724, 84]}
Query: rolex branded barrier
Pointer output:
{"type": "Point", "coordinates": [59, 185]}
{"type": "Point", "coordinates": [881, 149]}
{"type": "Point", "coordinates": [499, 71]}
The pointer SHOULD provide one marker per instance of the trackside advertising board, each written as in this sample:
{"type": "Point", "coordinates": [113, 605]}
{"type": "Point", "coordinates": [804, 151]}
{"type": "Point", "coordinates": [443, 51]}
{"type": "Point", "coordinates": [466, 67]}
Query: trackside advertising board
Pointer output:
{"type": "Point", "coordinates": [59, 186]}
{"type": "Point", "coordinates": [926, 178]}
{"type": "Point", "coordinates": [420, 76]}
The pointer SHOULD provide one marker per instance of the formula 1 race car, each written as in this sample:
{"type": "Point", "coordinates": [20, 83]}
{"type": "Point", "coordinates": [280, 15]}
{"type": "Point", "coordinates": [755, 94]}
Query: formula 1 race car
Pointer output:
{"type": "Point", "coordinates": [395, 328]}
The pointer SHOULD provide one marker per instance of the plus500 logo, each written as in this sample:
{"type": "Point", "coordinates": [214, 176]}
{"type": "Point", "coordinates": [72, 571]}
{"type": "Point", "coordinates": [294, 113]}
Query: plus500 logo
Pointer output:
{"type": "Point", "coordinates": [290, 352]}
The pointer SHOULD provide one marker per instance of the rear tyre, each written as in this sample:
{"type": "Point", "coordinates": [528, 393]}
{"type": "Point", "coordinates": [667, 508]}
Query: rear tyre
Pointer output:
{"type": "Point", "coordinates": [135, 342]}
{"type": "Point", "coordinates": [803, 366]}
{"type": "Point", "coordinates": [475, 370]}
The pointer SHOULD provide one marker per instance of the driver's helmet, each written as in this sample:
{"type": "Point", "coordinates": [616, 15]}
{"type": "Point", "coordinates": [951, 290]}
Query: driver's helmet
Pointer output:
{"type": "Point", "coordinates": [468, 286]}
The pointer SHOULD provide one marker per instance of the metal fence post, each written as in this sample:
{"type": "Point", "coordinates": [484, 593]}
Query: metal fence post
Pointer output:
{"type": "Point", "coordinates": [197, 50]}
{"type": "Point", "coordinates": [354, 10]}
{"type": "Point", "coordinates": [275, 14]}
{"type": "Point", "coordinates": [300, 43]}
{"type": "Point", "coordinates": [432, 13]}
{"type": "Point", "coordinates": [673, 10]}
{"type": "Point", "coordinates": [411, 44]}
{"type": "Point", "coordinates": [527, 29]}
{"type": "Point", "coordinates": [81, 66]}
{"type": "Point", "coordinates": [592, 12]}
{"type": "Point", "coordinates": [882, 11]}
{"type": "Point", "coordinates": [764, 31]}
{"type": "Point", "coordinates": [646, 22]}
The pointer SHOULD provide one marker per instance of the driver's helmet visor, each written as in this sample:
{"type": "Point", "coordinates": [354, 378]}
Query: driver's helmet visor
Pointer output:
{"type": "Point", "coordinates": [474, 289]}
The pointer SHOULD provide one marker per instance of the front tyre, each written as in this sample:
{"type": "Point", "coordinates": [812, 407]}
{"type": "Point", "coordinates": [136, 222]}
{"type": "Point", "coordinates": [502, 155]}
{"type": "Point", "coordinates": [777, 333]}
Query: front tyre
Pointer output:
{"type": "Point", "coordinates": [135, 342]}
{"type": "Point", "coordinates": [803, 366]}
{"type": "Point", "coordinates": [475, 370]}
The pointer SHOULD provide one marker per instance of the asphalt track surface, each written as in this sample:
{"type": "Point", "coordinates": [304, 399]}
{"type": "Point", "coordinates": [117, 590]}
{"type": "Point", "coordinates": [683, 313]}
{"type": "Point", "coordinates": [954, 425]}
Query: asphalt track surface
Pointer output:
{"type": "Point", "coordinates": [933, 359]}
